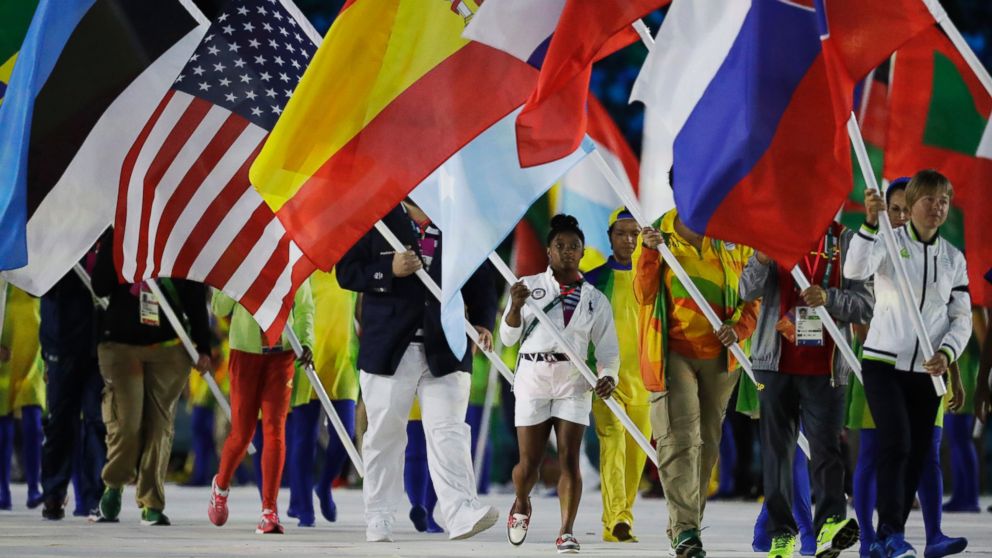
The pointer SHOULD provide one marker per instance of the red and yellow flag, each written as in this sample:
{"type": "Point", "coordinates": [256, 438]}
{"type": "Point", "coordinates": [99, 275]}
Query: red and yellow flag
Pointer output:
{"type": "Point", "coordinates": [391, 94]}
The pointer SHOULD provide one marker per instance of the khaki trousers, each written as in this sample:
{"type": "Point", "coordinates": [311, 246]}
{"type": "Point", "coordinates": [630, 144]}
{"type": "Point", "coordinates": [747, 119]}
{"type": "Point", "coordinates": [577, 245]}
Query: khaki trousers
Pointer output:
{"type": "Point", "coordinates": [142, 385]}
{"type": "Point", "coordinates": [686, 422]}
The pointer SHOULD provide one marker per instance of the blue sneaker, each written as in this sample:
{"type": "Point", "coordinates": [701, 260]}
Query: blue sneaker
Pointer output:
{"type": "Point", "coordinates": [897, 547]}
{"type": "Point", "coordinates": [328, 508]}
{"type": "Point", "coordinates": [418, 516]}
{"type": "Point", "coordinates": [877, 550]}
{"type": "Point", "coordinates": [945, 546]}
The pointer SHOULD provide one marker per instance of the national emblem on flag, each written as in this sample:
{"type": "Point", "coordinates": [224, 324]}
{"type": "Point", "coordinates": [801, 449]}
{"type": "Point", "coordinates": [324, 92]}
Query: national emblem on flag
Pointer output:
{"type": "Point", "coordinates": [186, 206]}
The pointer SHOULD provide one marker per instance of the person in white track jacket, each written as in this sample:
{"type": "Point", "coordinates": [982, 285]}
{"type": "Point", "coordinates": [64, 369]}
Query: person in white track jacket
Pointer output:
{"type": "Point", "coordinates": [897, 379]}
{"type": "Point", "coordinates": [550, 391]}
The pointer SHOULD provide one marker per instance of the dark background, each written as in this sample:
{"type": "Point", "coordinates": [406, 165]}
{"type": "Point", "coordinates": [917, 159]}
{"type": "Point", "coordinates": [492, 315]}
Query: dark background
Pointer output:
{"type": "Point", "coordinates": [613, 77]}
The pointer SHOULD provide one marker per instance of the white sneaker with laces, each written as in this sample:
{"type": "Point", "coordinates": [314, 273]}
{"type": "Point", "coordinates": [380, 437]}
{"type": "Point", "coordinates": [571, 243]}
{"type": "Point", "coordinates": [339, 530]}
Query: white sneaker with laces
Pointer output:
{"type": "Point", "coordinates": [380, 529]}
{"type": "Point", "coordinates": [516, 528]}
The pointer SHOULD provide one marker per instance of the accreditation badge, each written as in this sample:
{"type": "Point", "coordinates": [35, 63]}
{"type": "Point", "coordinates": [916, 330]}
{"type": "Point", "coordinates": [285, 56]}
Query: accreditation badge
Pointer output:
{"type": "Point", "coordinates": [148, 307]}
{"type": "Point", "coordinates": [809, 328]}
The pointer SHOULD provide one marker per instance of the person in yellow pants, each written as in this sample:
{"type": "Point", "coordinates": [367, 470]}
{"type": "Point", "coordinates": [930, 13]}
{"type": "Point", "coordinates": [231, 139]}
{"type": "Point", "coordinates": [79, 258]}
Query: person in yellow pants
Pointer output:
{"type": "Point", "coordinates": [621, 460]}
{"type": "Point", "coordinates": [22, 391]}
{"type": "Point", "coordinates": [335, 353]}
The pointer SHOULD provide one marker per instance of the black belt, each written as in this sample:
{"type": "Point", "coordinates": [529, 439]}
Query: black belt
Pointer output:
{"type": "Point", "coordinates": [544, 357]}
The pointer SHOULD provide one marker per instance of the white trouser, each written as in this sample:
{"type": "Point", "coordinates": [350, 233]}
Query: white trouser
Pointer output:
{"type": "Point", "coordinates": [443, 404]}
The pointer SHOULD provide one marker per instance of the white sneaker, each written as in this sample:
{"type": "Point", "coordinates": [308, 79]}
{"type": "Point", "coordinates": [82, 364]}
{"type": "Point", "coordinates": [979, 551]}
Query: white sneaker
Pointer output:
{"type": "Point", "coordinates": [488, 519]}
{"type": "Point", "coordinates": [516, 528]}
{"type": "Point", "coordinates": [379, 529]}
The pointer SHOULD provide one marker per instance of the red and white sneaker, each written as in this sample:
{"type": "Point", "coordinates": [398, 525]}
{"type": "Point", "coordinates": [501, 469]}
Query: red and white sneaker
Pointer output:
{"type": "Point", "coordinates": [217, 510]}
{"type": "Point", "coordinates": [516, 528]}
{"type": "Point", "coordinates": [566, 544]}
{"type": "Point", "coordinates": [269, 525]}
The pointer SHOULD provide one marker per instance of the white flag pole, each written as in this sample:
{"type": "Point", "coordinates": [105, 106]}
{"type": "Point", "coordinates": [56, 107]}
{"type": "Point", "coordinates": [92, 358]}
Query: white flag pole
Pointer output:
{"type": "Point", "coordinates": [960, 43]}
{"type": "Point", "coordinates": [673, 263]}
{"type": "Point", "coordinates": [85, 278]}
{"type": "Point", "coordinates": [578, 361]}
{"type": "Point", "coordinates": [644, 33]}
{"type": "Point", "coordinates": [902, 277]}
{"type": "Point", "coordinates": [325, 401]}
{"type": "Point", "coordinates": [177, 325]}
{"type": "Point", "coordinates": [842, 344]}
{"type": "Point", "coordinates": [435, 290]}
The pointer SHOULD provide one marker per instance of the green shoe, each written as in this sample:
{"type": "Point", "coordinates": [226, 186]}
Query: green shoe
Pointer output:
{"type": "Point", "coordinates": [783, 546]}
{"type": "Point", "coordinates": [154, 517]}
{"type": "Point", "coordinates": [836, 535]}
{"type": "Point", "coordinates": [688, 545]}
{"type": "Point", "coordinates": [110, 505]}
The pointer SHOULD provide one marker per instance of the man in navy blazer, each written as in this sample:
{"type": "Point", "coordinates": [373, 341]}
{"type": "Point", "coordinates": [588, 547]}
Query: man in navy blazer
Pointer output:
{"type": "Point", "coordinates": [403, 354]}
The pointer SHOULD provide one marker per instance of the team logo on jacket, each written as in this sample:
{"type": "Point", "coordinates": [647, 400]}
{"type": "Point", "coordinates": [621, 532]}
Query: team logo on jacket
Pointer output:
{"type": "Point", "coordinates": [538, 294]}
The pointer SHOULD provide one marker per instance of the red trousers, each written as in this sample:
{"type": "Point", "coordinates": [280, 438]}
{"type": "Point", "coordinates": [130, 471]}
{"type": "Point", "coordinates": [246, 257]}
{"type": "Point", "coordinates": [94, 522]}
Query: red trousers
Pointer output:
{"type": "Point", "coordinates": [258, 383]}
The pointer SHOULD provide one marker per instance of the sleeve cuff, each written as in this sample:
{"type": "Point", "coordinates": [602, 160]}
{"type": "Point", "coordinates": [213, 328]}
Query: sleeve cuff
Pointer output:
{"type": "Point", "coordinates": [949, 353]}
{"type": "Point", "coordinates": [868, 232]}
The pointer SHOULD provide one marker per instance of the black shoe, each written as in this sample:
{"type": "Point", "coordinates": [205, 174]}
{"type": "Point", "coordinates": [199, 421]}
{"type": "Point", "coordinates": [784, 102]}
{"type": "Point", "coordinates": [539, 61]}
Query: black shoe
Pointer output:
{"type": "Point", "coordinates": [54, 509]}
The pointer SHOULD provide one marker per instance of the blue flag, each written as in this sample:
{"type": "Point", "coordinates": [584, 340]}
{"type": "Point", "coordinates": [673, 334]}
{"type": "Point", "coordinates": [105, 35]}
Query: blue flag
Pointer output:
{"type": "Point", "coordinates": [476, 198]}
{"type": "Point", "coordinates": [50, 29]}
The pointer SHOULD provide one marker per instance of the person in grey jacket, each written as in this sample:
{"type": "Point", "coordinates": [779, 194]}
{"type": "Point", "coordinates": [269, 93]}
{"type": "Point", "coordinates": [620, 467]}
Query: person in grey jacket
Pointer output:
{"type": "Point", "coordinates": [804, 377]}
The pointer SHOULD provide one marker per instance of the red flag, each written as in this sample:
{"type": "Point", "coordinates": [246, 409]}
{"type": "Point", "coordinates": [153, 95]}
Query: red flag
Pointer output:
{"type": "Point", "coordinates": [939, 114]}
{"type": "Point", "coordinates": [554, 119]}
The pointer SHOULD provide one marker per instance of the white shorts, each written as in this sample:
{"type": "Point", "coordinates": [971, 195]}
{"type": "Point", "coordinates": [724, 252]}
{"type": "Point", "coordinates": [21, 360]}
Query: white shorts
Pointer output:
{"type": "Point", "coordinates": [530, 412]}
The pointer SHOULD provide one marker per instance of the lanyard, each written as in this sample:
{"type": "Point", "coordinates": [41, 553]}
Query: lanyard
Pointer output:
{"type": "Point", "coordinates": [825, 251]}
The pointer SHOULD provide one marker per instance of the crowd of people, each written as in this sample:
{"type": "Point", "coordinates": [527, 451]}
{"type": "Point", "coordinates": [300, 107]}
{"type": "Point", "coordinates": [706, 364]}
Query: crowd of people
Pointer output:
{"type": "Point", "coordinates": [101, 366]}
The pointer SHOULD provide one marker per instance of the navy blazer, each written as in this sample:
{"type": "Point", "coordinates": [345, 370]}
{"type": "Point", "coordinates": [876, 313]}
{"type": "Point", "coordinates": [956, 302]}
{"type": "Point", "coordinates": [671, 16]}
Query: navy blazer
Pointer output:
{"type": "Point", "coordinates": [393, 309]}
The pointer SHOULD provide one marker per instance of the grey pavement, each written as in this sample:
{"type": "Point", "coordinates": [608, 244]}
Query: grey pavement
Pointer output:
{"type": "Point", "coordinates": [728, 528]}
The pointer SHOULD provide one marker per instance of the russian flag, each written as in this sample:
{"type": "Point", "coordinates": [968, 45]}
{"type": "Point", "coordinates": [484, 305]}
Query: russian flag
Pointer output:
{"type": "Point", "coordinates": [750, 100]}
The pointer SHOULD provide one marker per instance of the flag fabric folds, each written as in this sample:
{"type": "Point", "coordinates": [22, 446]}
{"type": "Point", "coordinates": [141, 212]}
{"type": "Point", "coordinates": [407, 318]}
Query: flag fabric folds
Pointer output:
{"type": "Point", "coordinates": [88, 76]}
{"type": "Point", "coordinates": [939, 115]}
{"type": "Point", "coordinates": [477, 197]}
{"type": "Point", "coordinates": [186, 207]}
{"type": "Point", "coordinates": [742, 111]}
{"type": "Point", "coordinates": [586, 194]}
{"type": "Point", "coordinates": [553, 122]}
{"type": "Point", "coordinates": [392, 93]}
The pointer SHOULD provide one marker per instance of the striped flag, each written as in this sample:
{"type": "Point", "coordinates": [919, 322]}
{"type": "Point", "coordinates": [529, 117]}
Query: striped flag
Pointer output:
{"type": "Point", "coordinates": [186, 207]}
{"type": "Point", "coordinates": [88, 75]}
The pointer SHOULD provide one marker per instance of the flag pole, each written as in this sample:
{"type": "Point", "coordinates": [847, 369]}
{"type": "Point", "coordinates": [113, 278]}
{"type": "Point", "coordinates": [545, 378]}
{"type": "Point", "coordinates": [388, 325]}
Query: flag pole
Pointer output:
{"type": "Point", "coordinates": [644, 33]}
{"type": "Point", "coordinates": [85, 278]}
{"type": "Point", "coordinates": [960, 43]}
{"type": "Point", "coordinates": [578, 361]}
{"type": "Point", "coordinates": [676, 267]}
{"type": "Point", "coordinates": [325, 401]}
{"type": "Point", "coordinates": [828, 322]}
{"type": "Point", "coordinates": [902, 277]}
{"type": "Point", "coordinates": [435, 290]}
{"type": "Point", "coordinates": [177, 325]}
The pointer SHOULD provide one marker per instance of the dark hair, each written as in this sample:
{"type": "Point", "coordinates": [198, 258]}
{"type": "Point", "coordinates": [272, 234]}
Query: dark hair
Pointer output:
{"type": "Point", "coordinates": [562, 223]}
{"type": "Point", "coordinates": [897, 185]}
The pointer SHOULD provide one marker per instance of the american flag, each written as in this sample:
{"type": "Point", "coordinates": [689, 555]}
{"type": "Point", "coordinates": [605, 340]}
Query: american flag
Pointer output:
{"type": "Point", "coordinates": [186, 207]}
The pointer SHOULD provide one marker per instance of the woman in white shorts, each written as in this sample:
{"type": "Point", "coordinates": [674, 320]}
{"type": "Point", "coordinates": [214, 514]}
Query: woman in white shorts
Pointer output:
{"type": "Point", "coordinates": [549, 389]}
